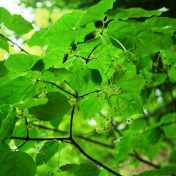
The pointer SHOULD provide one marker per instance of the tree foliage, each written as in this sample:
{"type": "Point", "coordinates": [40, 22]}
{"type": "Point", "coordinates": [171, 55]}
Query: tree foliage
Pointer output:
{"type": "Point", "coordinates": [99, 99]}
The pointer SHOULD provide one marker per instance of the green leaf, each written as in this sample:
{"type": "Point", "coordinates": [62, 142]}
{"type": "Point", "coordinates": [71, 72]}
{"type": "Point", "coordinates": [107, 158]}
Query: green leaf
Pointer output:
{"type": "Point", "coordinates": [80, 77]}
{"type": "Point", "coordinates": [16, 164]}
{"type": "Point", "coordinates": [66, 31]}
{"type": "Point", "coordinates": [54, 58]}
{"type": "Point", "coordinates": [15, 23]}
{"type": "Point", "coordinates": [15, 90]}
{"type": "Point", "coordinates": [31, 102]}
{"type": "Point", "coordinates": [8, 125]}
{"type": "Point", "coordinates": [158, 78]}
{"type": "Point", "coordinates": [81, 169]}
{"type": "Point", "coordinates": [3, 70]}
{"type": "Point", "coordinates": [4, 43]}
{"type": "Point", "coordinates": [96, 76]}
{"type": "Point", "coordinates": [105, 61]}
{"type": "Point", "coordinates": [127, 104]}
{"type": "Point", "coordinates": [56, 107]}
{"type": "Point", "coordinates": [20, 62]}
{"type": "Point", "coordinates": [161, 24]}
{"type": "Point", "coordinates": [90, 105]}
{"type": "Point", "coordinates": [123, 147]}
{"type": "Point", "coordinates": [128, 82]}
{"type": "Point", "coordinates": [47, 152]}
{"type": "Point", "coordinates": [96, 12]}
{"type": "Point", "coordinates": [169, 129]}
{"type": "Point", "coordinates": [55, 74]}
{"type": "Point", "coordinates": [172, 157]}
{"type": "Point", "coordinates": [160, 172]}
{"type": "Point", "coordinates": [36, 39]}
{"type": "Point", "coordinates": [4, 148]}
{"type": "Point", "coordinates": [136, 12]}
{"type": "Point", "coordinates": [172, 73]}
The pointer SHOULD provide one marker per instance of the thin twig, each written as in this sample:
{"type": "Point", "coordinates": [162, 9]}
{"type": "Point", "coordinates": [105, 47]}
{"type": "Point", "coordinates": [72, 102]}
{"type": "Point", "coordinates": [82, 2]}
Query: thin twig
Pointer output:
{"type": "Point", "coordinates": [23, 50]}
{"type": "Point", "coordinates": [145, 161]}
{"type": "Point", "coordinates": [48, 128]}
{"type": "Point", "coordinates": [40, 139]}
{"type": "Point", "coordinates": [95, 91]}
{"type": "Point", "coordinates": [88, 57]}
{"type": "Point", "coordinates": [57, 86]}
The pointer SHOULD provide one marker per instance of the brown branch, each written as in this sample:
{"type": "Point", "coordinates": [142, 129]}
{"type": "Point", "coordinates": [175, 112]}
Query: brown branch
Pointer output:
{"type": "Point", "coordinates": [23, 50]}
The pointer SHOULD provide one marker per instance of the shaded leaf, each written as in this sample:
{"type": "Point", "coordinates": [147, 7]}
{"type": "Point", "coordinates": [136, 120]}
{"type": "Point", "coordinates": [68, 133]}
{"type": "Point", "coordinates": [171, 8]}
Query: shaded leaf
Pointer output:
{"type": "Point", "coordinates": [16, 164]}
{"type": "Point", "coordinates": [8, 125]}
{"type": "Point", "coordinates": [81, 169]}
{"type": "Point", "coordinates": [56, 107]}
{"type": "Point", "coordinates": [47, 152]}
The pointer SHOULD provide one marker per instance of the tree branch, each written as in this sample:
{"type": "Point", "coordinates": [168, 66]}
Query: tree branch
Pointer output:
{"type": "Point", "coordinates": [98, 143]}
{"type": "Point", "coordinates": [82, 151]}
{"type": "Point", "coordinates": [94, 160]}
{"type": "Point", "coordinates": [79, 136]}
